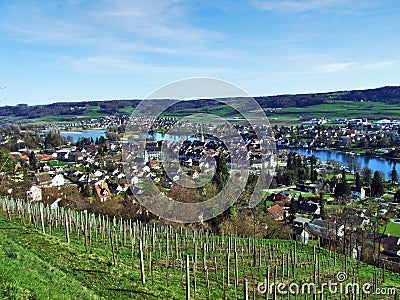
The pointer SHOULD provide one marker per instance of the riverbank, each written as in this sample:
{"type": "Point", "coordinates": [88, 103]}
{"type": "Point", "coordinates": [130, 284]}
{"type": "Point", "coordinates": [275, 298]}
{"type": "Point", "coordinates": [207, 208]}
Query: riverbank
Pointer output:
{"type": "Point", "coordinates": [374, 162]}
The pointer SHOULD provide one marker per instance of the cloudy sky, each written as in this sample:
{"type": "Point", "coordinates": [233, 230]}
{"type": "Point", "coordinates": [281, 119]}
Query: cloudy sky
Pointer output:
{"type": "Point", "coordinates": [125, 49]}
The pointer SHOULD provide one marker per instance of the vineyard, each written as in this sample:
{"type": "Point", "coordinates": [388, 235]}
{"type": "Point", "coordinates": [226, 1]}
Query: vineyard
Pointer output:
{"type": "Point", "coordinates": [62, 254]}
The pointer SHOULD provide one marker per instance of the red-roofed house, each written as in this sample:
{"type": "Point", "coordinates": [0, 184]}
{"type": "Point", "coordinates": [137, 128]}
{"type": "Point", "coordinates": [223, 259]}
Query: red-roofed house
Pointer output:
{"type": "Point", "coordinates": [277, 212]}
{"type": "Point", "coordinates": [102, 191]}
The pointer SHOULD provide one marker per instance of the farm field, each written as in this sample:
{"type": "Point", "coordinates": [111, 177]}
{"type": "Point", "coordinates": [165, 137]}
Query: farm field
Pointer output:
{"type": "Point", "coordinates": [338, 109]}
{"type": "Point", "coordinates": [64, 254]}
{"type": "Point", "coordinates": [285, 116]}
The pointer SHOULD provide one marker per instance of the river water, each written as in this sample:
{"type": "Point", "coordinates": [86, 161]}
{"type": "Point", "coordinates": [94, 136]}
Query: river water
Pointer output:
{"type": "Point", "coordinates": [374, 163]}
{"type": "Point", "coordinates": [91, 133]}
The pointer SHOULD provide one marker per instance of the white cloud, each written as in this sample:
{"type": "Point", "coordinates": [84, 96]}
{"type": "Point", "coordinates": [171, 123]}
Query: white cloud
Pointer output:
{"type": "Point", "coordinates": [158, 24]}
{"type": "Point", "coordinates": [152, 19]}
{"type": "Point", "coordinates": [128, 66]}
{"type": "Point", "coordinates": [336, 67]}
{"type": "Point", "coordinates": [380, 65]}
{"type": "Point", "coordinates": [355, 66]}
{"type": "Point", "coordinates": [296, 5]}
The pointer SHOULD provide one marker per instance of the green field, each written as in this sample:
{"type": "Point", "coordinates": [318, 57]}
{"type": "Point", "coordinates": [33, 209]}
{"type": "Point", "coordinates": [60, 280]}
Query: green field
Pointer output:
{"type": "Point", "coordinates": [57, 163]}
{"type": "Point", "coordinates": [285, 116]}
{"type": "Point", "coordinates": [339, 109]}
{"type": "Point", "coordinates": [295, 115]}
{"type": "Point", "coordinates": [392, 228]}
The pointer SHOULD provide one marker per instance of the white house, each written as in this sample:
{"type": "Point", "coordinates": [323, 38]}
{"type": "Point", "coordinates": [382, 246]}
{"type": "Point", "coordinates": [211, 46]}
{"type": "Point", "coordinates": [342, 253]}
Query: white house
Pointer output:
{"type": "Point", "coordinates": [63, 154]}
{"type": "Point", "coordinates": [134, 180]}
{"type": "Point", "coordinates": [54, 205]}
{"type": "Point", "coordinates": [34, 193]}
{"type": "Point", "coordinates": [357, 192]}
{"type": "Point", "coordinates": [58, 180]}
{"type": "Point", "coordinates": [98, 173]}
{"type": "Point", "coordinates": [301, 235]}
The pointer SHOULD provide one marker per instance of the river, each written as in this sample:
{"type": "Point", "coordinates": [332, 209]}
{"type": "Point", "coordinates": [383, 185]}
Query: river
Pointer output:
{"type": "Point", "coordinates": [374, 163]}
{"type": "Point", "coordinates": [91, 133]}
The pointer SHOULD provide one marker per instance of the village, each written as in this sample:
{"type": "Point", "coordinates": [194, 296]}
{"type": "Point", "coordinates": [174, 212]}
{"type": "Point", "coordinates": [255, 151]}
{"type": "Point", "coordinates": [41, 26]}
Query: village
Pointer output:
{"type": "Point", "coordinates": [307, 194]}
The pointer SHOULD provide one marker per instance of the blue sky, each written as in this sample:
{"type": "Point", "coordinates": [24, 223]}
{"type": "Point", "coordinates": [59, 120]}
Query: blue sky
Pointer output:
{"type": "Point", "coordinates": [76, 50]}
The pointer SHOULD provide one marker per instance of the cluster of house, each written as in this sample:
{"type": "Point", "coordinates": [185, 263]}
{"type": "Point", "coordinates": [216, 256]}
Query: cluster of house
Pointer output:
{"type": "Point", "coordinates": [357, 122]}
{"type": "Point", "coordinates": [95, 123]}
{"type": "Point", "coordinates": [316, 121]}
{"type": "Point", "coordinates": [97, 180]}
{"type": "Point", "coordinates": [314, 136]}
{"type": "Point", "coordinates": [307, 223]}
{"type": "Point", "coordinates": [282, 201]}
{"type": "Point", "coordinates": [80, 167]}
{"type": "Point", "coordinates": [197, 151]}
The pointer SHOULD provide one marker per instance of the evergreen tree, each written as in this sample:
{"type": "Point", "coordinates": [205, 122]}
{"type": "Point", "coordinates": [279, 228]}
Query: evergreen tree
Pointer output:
{"type": "Point", "coordinates": [367, 175]}
{"type": "Point", "coordinates": [301, 198]}
{"type": "Point", "coordinates": [322, 206]}
{"type": "Point", "coordinates": [396, 197]}
{"type": "Point", "coordinates": [358, 182]}
{"type": "Point", "coordinates": [313, 173]}
{"type": "Point", "coordinates": [232, 212]}
{"type": "Point", "coordinates": [377, 184]}
{"type": "Point", "coordinates": [293, 209]}
{"type": "Point", "coordinates": [222, 171]}
{"type": "Point", "coordinates": [394, 176]}
{"type": "Point", "coordinates": [342, 189]}
{"type": "Point", "coordinates": [33, 163]}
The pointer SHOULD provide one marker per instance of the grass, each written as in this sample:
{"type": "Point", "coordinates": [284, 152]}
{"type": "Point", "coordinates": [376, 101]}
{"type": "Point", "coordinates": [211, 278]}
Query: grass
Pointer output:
{"type": "Point", "coordinates": [24, 275]}
{"type": "Point", "coordinates": [57, 163]}
{"type": "Point", "coordinates": [392, 228]}
{"type": "Point", "coordinates": [343, 109]}
{"type": "Point", "coordinates": [269, 203]}
{"type": "Point", "coordinates": [43, 266]}
{"type": "Point", "coordinates": [335, 110]}
{"type": "Point", "coordinates": [36, 266]}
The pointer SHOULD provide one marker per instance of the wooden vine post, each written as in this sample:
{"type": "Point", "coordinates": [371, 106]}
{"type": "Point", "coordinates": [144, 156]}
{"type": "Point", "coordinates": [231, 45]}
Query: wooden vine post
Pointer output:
{"type": "Point", "coordinates": [143, 275]}
{"type": "Point", "coordinates": [187, 277]}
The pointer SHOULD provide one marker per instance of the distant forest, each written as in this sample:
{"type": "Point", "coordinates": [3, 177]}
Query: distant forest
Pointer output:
{"type": "Point", "coordinates": [390, 95]}
{"type": "Point", "coordinates": [65, 108]}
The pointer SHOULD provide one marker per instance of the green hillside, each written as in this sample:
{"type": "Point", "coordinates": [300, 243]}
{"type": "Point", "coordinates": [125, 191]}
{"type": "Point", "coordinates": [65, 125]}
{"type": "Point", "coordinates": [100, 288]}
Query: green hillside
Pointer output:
{"type": "Point", "coordinates": [102, 260]}
{"type": "Point", "coordinates": [373, 103]}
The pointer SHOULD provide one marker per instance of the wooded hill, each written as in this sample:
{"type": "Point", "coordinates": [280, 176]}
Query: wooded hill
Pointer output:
{"type": "Point", "coordinates": [389, 95]}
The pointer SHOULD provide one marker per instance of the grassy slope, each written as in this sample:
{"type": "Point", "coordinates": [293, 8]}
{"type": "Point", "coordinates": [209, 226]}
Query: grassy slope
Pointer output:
{"type": "Point", "coordinates": [23, 275]}
{"type": "Point", "coordinates": [37, 266]}
{"type": "Point", "coordinates": [339, 109]}
{"type": "Point", "coordinates": [392, 229]}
